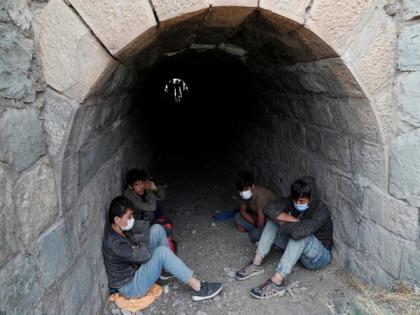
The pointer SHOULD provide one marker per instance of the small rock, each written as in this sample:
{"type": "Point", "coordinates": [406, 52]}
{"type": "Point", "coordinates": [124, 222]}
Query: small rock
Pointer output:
{"type": "Point", "coordinates": [201, 313]}
{"type": "Point", "coordinates": [115, 311]}
{"type": "Point", "coordinates": [125, 312]}
{"type": "Point", "coordinates": [392, 9]}
{"type": "Point", "coordinates": [166, 289]}
{"type": "Point", "coordinates": [176, 286]}
{"type": "Point", "coordinates": [213, 224]}
{"type": "Point", "coordinates": [139, 313]}
{"type": "Point", "coordinates": [292, 285]}
{"type": "Point", "coordinates": [217, 298]}
{"type": "Point", "coordinates": [193, 232]}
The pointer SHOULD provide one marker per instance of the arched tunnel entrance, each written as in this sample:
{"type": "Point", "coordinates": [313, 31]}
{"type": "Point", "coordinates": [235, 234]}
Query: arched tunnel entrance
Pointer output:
{"type": "Point", "coordinates": [270, 90]}
{"type": "Point", "coordinates": [279, 108]}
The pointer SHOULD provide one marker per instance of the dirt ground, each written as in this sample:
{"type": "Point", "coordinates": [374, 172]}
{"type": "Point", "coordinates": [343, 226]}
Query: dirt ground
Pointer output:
{"type": "Point", "coordinates": [215, 250]}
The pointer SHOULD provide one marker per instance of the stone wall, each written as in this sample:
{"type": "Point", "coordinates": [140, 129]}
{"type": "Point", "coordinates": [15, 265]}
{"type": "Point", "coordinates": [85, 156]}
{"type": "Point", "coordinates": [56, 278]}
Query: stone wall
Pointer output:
{"type": "Point", "coordinates": [62, 160]}
{"type": "Point", "coordinates": [339, 102]}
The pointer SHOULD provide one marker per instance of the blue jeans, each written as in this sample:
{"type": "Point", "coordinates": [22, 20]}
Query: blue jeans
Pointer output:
{"type": "Point", "coordinates": [149, 272]}
{"type": "Point", "coordinates": [309, 250]}
{"type": "Point", "coordinates": [253, 231]}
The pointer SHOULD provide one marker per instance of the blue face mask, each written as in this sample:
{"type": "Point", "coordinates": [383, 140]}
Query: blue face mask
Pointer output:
{"type": "Point", "coordinates": [301, 207]}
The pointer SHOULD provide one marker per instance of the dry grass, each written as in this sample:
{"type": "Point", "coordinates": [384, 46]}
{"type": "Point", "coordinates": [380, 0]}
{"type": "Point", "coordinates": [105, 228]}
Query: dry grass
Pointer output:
{"type": "Point", "coordinates": [403, 299]}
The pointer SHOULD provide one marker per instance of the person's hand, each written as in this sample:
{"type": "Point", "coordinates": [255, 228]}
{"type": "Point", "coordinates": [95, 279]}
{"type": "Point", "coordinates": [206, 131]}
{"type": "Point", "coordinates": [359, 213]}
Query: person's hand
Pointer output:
{"type": "Point", "coordinates": [151, 185]}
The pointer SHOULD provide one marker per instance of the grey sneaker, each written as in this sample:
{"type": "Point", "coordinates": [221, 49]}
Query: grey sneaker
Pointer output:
{"type": "Point", "coordinates": [207, 291]}
{"type": "Point", "coordinates": [164, 275]}
{"type": "Point", "coordinates": [249, 271]}
{"type": "Point", "coordinates": [267, 290]}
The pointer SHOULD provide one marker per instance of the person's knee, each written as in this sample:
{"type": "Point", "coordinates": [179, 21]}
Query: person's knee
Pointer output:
{"type": "Point", "coordinates": [162, 251]}
{"type": "Point", "coordinates": [294, 243]}
{"type": "Point", "coordinates": [157, 229]}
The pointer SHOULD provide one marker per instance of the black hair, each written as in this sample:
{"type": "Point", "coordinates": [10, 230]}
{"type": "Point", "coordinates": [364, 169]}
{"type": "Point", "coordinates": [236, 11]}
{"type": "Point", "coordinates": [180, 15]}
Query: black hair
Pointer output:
{"type": "Point", "coordinates": [300, 189]}
{"type": "Point", "coordinates": [135, 175]}
{"type": "Point", "coordinates": [118, 207]}
{"type": "Point", "coordinates": [244, 179]}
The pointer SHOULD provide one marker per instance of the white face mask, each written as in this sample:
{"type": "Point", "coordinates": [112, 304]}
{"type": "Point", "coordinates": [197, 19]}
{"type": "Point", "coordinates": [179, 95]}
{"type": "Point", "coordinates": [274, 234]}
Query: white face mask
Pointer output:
{"type": "Point", "coordinates": [246, 194]}
{"type": "Point", "coordinates": [301, 207]}
{"type": "Point", "coordinates": [129, 226]}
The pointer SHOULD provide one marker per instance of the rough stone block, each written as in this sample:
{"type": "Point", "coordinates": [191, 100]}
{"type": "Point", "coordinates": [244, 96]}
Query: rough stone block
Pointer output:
{"type": "Point", "coordinates": [409, 100]}
{"type": "Point", "coordinates": [304, 45]}
{"type": "Point", "coordinates": [223, 19]}
{"type": "Point", "coordinates": [35, 208]}
{"type": "Point", "coordinates": [299, 107]}
{"type": "Point", "coordinates": [411, 9]}
{"type": "Point", "coordinates": [319, 111]}
{"type": "Point", "coordinates": [385, 108]}
{"type": "Point", "coordinates": [368, 161]}
{"type": "Point", "coordinates": [377, 46]}
{"type": "Point", "coordinates": [338, 151]}
{"type": "Point", "coordinates": [20, 288]}
{"type": "Point", "coordinates": [73, 60]}
{"type": "Point", "coordinates": [387, 248]}
{"type": "Point", "coordinates": [70, 181]}
{"type": "Point", "coordinates": [404, 161]}
{"type": "Point", "coordinates": [327, 185]}
{"type": "Point", "coordinates": [21, 138]}
{"type": "Point", "coordinates": [133, 23]}
{"type": "Point", "coordinates": [55, 256]}
{"type": "Point", "coordinates": [16, 52]}
{"type": "Point", "coordinates": [294, 10]}
{"type": "Point", "coordinates": [234, 3]}
{"type": "Point", "coordinates": [77, 285]}
{"type": "Point", "coordinates": [8, 246]}
{"type": "Point", "coordinates": [346, 220]}
{"type": "Point", "coordinates": [179, 9]}
{"type": "Point", "coordinates": [353, 192]}
{"type": "Point", "coordinates": [16, 11]}
{"type": "Point", "coordinates": [314, 140]}
{"type": "Point", "coordinates": [362, 264]}
{"type": "Point", "coordinates": [410, 270]}
{"type": "Point", "coordinates": [178, 34]}
{"type": "Point", "coordinates": [330, 76]}
{"type": "Point", "coordinates": [409, 48]}
{"type": "Point", "coordinates": [58, 116]}
{"type": "Point", "coordinates": [298, 134]}
{"type": "Point", "coordinates": [94, 302]}
{"type": "Point", "coordinates": [336, 21]}
{"type": "Point", "coordinates": [392, 214]}
{"type": "Point", "coordinates": [97, 151]}
{"type": "Point", "coordinates": [50, 303]}
{"type": "Point", "coordinates": [355, 116]}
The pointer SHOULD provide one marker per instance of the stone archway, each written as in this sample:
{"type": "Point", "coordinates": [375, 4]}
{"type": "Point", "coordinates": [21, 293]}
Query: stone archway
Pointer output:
{"type": "Point", "coordinates": [331, 105]}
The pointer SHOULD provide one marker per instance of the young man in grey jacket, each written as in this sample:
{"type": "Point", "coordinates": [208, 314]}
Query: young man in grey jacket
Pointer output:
{"type": "Point", "coordinates": [308, 240]}
{"type": "Point", "coordinates": [145, 195]}
{"type": "Point", "coordinates": [135, 255]}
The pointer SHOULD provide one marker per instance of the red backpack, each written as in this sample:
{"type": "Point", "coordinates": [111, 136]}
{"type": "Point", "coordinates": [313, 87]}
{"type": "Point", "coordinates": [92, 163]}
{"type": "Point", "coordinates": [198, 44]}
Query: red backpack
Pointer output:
{"type": "Point", "coordinates": [167, 224]}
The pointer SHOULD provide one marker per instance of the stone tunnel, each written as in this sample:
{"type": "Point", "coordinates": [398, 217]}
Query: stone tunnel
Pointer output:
{"type": "Point", "coordinates": [284, 88]}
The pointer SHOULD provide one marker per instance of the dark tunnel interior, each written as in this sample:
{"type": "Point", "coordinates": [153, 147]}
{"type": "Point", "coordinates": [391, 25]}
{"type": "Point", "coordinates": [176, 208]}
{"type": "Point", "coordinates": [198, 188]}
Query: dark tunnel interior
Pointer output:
{"type": "Point", "coordinates": [220, 103]}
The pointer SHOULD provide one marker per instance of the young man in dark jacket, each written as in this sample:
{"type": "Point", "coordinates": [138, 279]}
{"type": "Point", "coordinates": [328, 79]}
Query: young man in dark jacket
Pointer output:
{"type": "Point", "coordinates": [135, 256]}
{"type": "Point", "coordinates": [309, 239]}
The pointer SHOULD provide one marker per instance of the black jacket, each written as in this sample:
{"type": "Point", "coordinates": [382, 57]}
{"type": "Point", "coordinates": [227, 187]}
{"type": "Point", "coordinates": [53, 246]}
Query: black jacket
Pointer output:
{"type": "Point", "coordinates": [124, 255]}
{"type": "Point", "coordinates": [315, 220]}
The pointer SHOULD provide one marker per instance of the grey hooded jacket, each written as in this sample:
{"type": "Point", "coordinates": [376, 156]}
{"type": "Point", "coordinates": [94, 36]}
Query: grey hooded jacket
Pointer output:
{"type": "Point", "coordinates": [315, 220]}
{"type": "Point", "coordinates": [124, 255]}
